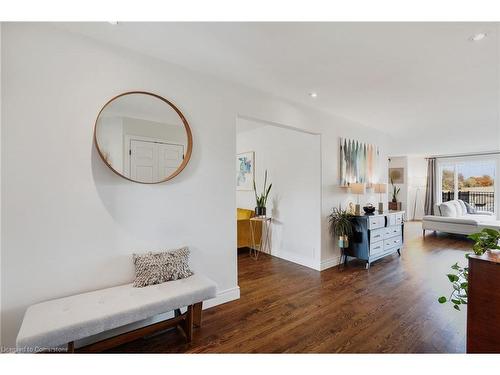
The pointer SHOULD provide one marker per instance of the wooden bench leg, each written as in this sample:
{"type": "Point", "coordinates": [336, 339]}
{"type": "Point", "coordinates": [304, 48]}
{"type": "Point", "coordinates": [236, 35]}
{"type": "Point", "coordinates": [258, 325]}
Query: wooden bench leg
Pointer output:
{"type": "Point", "coordinates": [188, 323]}
{"type": "Point", "coordinates": [197, 307]}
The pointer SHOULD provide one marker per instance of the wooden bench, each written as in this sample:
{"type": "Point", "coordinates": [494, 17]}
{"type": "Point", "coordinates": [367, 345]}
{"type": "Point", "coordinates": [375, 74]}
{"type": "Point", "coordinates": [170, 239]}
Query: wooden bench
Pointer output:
{"type": "Point", "coordinates": [50, 325]}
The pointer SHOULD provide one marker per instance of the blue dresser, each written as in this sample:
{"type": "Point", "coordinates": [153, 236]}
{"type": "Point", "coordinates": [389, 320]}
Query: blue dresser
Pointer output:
{"type": "Point", "coordinates": [376, 236]}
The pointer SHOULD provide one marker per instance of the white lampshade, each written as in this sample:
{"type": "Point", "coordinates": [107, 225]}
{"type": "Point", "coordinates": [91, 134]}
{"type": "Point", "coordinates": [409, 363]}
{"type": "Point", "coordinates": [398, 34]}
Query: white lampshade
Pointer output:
{"type": "Point", "coordinates": [380, 188]}
{"type": "Point", "coordinates": [358, 188]}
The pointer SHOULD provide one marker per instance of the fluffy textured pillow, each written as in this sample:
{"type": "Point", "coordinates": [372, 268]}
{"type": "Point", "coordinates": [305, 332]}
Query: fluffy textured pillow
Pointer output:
{"type": "Point", "coordinates": [463, 209]}
{"type": "Point", "coordinates": [156, 268]}
{"type": "Point", "coordinates": [448, 209]}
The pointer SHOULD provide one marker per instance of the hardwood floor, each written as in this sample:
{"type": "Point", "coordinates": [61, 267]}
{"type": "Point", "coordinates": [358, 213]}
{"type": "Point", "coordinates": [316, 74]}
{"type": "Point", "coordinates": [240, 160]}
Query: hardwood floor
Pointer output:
{"type": "Point", "coordinates": [287, 308]}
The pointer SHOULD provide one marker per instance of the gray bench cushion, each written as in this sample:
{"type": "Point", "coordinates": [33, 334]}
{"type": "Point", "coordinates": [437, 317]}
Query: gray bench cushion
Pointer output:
{"type": "Point", "coordinates": [54, 323]}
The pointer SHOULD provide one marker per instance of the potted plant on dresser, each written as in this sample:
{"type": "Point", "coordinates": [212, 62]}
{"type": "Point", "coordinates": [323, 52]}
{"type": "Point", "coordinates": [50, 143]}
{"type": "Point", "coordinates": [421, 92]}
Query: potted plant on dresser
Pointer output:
{"type": "Point", "coordinates": [341, 227]}
{"type": "Point", "coordinates": [394, 204]}
{"type": "Point", "coordinates": [261, 199]}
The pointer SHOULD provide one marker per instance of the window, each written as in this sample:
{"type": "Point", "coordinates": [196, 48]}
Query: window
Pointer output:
{"type": "Point", "coordinates": [447, 173]}
{"type": "Point", "coordinates": [472, 181]}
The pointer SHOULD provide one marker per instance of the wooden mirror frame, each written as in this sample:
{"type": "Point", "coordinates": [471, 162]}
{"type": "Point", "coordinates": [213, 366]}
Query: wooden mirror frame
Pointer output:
{"type": "Point", "coordinates": [189, 135]}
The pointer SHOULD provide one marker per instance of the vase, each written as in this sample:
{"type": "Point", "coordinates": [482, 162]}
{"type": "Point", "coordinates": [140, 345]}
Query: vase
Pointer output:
{"type": "Point", "coordinates": [343, 242]}
{"type": "Point", "coordinates": [260, 211]}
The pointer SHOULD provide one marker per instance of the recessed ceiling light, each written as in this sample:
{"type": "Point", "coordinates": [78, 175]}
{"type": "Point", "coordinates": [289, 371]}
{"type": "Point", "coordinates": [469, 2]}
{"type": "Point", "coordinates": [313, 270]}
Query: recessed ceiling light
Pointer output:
{"type": "Point", "coordinates": [313, 94]}
{"type": "Point", "coordinates": [113, 22]}
{"type": "Point", "coordinates": [477, 37]}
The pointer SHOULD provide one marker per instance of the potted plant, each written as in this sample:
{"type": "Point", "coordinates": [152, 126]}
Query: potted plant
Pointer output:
{"type": "Point", "coordinates": [261, 200]}
{"type": "Point", "coordinates": [395, 191]}
{"type": "Point", "coordinates": [485, 240]}
{"type": "Point", "coordinates": [341, 226]}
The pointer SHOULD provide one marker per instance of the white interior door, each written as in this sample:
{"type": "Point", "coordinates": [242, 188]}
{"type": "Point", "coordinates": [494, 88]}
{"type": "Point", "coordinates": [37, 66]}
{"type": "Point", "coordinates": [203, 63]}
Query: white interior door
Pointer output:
{"type": "Point", "coordinates": [143, 161]}
{"type": "Point", "coordinates": [169, 158]}
{"type": "Point", "coordinates": [152, 161]}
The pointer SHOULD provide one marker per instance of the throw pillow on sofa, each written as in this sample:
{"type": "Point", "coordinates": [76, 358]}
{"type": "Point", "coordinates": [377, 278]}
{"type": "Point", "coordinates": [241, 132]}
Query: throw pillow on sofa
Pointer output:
{"type": "Point", "coordinates": [463, 208]}
{"type": "Point", "coordinates": [470, 209]}
{"type": "Point", "coordinates": [448, 209]}
{"type": "Point", "coordinates": [156, 268]}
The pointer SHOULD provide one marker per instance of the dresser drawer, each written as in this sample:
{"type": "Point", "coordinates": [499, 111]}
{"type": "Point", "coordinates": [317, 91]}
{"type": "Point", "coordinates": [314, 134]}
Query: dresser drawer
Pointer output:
{"type": "Point", "coordinates": [377, 235]}
{"type": "Point", "coordinates": [376, 248]}
{"type": "Point", "coordinates": [395, 219]}
{"type": "Point", "coordinates": [392, 231]}
{"type": "Point", "coordinates": [393, 242]}
{"type": "Point", "coordinates": [399, 218]}
{"type": "Point", "coordinates": [376, 222]}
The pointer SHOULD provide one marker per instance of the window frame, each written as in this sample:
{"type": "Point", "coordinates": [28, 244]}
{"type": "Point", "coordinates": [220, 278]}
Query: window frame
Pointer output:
{"type": "Point", "coordinates": [441, 163]}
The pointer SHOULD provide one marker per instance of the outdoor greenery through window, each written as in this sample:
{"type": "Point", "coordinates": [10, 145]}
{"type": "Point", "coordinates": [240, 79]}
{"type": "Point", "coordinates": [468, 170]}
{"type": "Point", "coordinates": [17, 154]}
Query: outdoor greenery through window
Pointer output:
{"type": "Point", "coordinates": [471, 181]}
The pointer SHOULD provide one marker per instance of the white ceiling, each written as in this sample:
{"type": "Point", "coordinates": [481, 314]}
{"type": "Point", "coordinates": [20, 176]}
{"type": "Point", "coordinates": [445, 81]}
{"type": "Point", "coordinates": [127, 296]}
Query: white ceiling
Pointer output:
{"type": "Point", "coordinates": [426, 84]}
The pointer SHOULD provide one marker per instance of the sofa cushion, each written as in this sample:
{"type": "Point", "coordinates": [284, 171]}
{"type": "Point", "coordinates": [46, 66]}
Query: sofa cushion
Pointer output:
{"type": "Point", "coordinates": [451, 220]}
{"type": "Point", "coordinates": [437, 210]}
{"type": "Point", "coordinates": [457, 207]}
{"type": "Point", "coordinates": [448, 209]}
{"type": "Point", "coordinates": [480, 217]}
{"type": "Point", "coordinates": [470, 209]}
{"type": "Point", "coordinates": [463, 208]}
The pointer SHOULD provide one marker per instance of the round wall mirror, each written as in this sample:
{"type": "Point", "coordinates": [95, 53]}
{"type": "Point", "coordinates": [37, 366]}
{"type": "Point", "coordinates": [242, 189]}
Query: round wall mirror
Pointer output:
{"type": "Point", "coordinates": [143, 137]}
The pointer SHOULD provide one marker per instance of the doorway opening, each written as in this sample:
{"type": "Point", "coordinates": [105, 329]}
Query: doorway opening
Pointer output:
{"type": "Point", "coordinates": [288, 162]}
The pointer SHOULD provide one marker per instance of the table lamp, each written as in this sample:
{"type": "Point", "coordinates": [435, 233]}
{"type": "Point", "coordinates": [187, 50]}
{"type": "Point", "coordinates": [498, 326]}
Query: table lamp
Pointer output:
{"type": "Point", "coordinates": [358, 189]}
{"type": "Point", "coordinates": [380, 189]}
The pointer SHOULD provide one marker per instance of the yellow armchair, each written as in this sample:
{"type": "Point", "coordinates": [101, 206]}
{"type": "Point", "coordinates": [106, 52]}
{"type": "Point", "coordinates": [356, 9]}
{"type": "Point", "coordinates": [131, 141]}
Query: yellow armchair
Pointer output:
{"type": "Point", "coordinates": [244, 230]}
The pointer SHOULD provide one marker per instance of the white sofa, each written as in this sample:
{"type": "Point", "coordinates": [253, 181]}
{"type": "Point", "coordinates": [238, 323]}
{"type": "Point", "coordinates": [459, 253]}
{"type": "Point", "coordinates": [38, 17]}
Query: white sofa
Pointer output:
{"type": "Point", "coordinates": [453, 217]}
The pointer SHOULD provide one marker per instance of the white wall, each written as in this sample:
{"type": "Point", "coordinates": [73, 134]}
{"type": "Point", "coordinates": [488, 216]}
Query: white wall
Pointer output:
{"type": "Point", "coordinates": [417, 178]}
{"type": "Point", "coordinates": [69, 224]}
{"type": "Point", "coordinates": [293, 161]}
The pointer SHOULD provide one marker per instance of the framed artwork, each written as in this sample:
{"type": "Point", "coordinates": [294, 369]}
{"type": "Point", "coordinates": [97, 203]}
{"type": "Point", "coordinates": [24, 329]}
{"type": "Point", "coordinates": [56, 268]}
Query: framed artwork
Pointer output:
{"type": "Point", "coordinates": [245, 170]}
{"type": "Point", "coordinates": [358, 162]}
{"type": "Point", "coordinates": [397, 175]}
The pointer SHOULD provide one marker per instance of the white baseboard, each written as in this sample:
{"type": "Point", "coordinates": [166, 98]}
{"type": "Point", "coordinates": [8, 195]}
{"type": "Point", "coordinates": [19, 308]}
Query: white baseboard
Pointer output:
{"type": "Point", "coordinates": [292, 257]}
{"type": "Point", "coordinates": [223, 297]}
{"type": "Point", "coordinates": [331, 262]}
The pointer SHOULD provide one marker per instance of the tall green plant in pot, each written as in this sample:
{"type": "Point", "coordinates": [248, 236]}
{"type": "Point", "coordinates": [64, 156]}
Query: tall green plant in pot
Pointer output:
{"type": "Point", "coordinates": [341, 226]}
{"type": "Point", "coordinates": [261, 199]}
{"type": "Point", "coordinates": [485, 240]}
{"type": "Point", "coordinates": [395, 191]}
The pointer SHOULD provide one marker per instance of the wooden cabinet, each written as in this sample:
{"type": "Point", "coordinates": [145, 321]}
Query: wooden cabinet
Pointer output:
{"type": "Point", "coordinates": [376, 236]}
{"type": "Point", "coordinates": [483, 309]}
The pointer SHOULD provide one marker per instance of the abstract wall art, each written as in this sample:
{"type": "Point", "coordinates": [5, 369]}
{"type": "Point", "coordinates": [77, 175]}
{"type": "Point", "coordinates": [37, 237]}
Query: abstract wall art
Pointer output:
{"type": "Point", "coordinates": [245, 170]}
{"type": "Point", "coordinates": [358, 162]}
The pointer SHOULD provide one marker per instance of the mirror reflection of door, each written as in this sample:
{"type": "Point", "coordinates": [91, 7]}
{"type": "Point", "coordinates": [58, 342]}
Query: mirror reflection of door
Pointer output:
{"type": "Point", "coordinates": [152, 160]}
{"type": "Point", "coordinates": [143, 137]}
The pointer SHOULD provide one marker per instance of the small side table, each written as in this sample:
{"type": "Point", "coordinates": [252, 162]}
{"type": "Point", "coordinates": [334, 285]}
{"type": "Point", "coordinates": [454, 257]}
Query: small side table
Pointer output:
{"type": "Point", "coordinates": [264, 245]}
